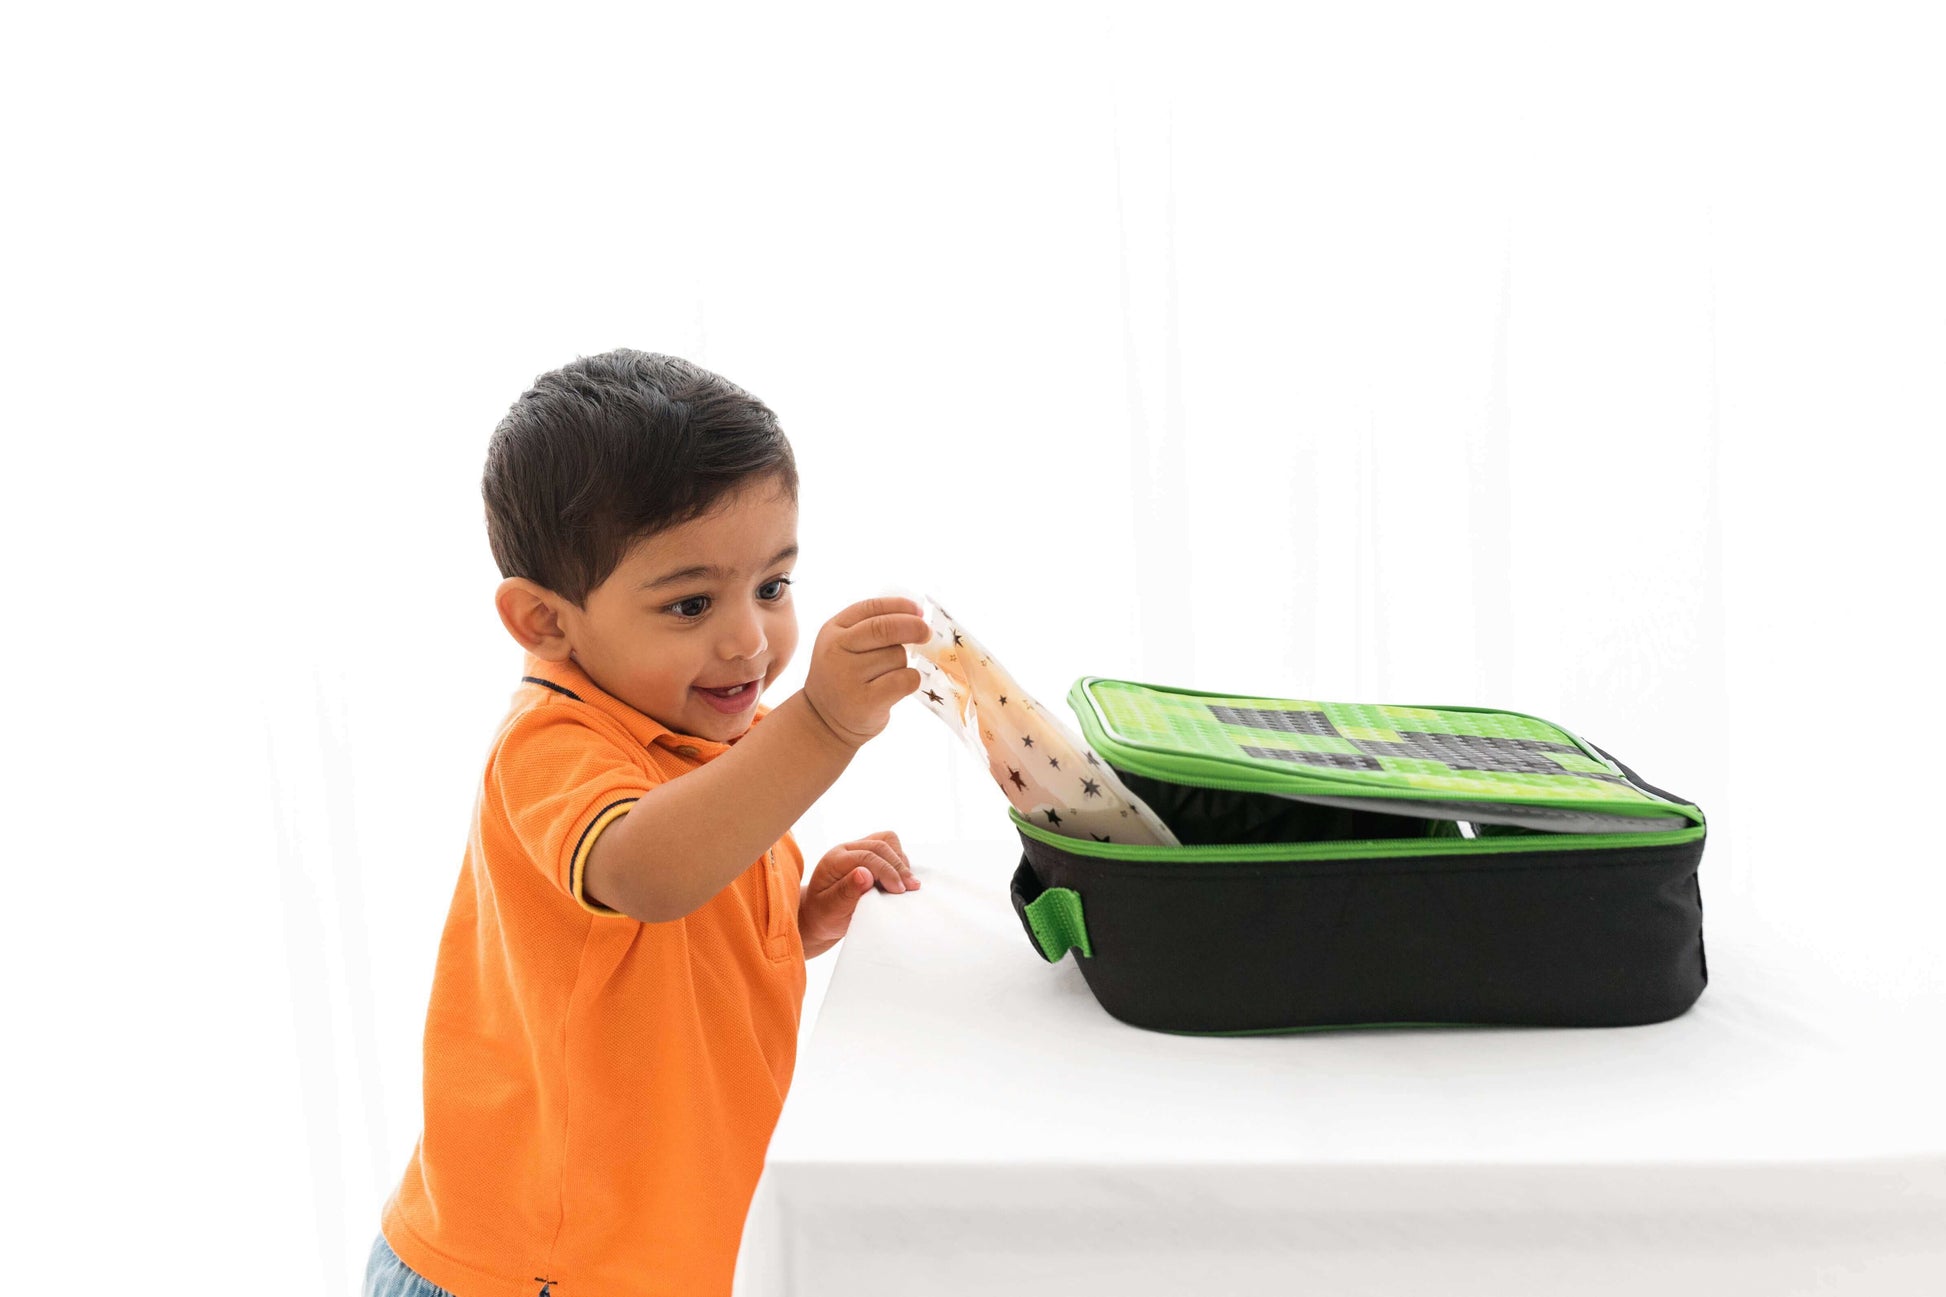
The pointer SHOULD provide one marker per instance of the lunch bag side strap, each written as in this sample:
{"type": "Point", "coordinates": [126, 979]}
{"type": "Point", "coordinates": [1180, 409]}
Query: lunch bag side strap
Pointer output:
{"type": "Point", "coordinates": [1051, 915]}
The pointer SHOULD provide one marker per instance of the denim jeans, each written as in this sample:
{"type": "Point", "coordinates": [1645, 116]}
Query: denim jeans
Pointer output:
{"type": "Point", "coordinates": [387, 1276]}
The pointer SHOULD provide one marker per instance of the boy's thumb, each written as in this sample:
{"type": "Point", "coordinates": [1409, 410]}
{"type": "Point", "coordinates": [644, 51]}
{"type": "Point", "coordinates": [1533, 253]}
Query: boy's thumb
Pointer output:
{"type": "Point", "coordinates": [862, 875]}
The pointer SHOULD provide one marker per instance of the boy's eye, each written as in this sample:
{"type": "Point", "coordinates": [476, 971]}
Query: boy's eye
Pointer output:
{"type": "Point", "coordinates": [703, 599]}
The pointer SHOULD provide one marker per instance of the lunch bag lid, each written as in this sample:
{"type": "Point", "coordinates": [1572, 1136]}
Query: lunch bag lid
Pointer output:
{"type": "Point", "coordinates": [1440, 762]}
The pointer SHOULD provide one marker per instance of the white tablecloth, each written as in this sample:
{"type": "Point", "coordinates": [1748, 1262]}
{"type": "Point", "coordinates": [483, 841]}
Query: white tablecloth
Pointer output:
{"type": "Point", "coordinates": [967, 1119]}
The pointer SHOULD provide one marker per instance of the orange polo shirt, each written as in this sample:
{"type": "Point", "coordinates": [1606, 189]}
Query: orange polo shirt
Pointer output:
{"type": "Point", "coordinates": [599, 1092]}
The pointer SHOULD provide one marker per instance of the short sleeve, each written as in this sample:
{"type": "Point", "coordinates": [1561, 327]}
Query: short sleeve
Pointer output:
{"type": "Point", "coordinates": [560, 781]}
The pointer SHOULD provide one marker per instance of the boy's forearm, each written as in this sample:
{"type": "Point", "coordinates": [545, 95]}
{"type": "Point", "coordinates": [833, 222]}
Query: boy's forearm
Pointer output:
{"type": "Point", "coordinates": [688, 838]}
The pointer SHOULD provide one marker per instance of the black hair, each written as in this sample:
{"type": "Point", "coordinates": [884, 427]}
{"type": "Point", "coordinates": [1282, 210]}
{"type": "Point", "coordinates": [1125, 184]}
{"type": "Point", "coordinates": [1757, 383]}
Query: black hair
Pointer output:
{"type": "Point", "coordinates": [604, 452]}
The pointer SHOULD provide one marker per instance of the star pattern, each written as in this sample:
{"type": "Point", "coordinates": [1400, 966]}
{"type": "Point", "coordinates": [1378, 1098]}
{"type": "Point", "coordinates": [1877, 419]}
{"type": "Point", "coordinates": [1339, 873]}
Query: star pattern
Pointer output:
{"type": "Point", "coordinates": [974, 695]}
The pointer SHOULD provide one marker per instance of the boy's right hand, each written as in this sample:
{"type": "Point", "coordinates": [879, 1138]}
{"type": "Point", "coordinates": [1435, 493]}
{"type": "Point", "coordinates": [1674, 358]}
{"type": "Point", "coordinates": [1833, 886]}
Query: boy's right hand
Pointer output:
{"type": "Point", "coordinates": [858, 666]}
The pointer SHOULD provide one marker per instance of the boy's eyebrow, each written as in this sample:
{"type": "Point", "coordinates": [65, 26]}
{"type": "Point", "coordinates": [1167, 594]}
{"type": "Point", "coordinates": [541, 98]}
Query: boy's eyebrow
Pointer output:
{"type": "Point", "coordinates": [688, 573]}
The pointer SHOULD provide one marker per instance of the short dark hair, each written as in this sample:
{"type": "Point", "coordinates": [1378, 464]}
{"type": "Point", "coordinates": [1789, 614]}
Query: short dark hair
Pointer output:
{"type": "Point", "coordinates": [604, 452]}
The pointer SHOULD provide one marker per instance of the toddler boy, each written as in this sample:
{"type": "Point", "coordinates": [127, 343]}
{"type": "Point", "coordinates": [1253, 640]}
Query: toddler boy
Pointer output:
{"type": "Point", "coordinates": [614, 1011]}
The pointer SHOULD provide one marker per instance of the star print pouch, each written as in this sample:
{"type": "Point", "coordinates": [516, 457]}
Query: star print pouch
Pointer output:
{"type": "Point", "coordinates": [1045, 770]}
{"type": "Point", "coordinates": [1345, 864]}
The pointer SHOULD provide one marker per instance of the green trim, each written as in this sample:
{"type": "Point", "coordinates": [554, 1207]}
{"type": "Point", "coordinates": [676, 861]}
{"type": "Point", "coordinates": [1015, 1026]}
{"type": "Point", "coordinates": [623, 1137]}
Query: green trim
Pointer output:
{"type": "Point", "coordinates": [1055, 916]}
{"type": "Point", "coordinates": [1241, 775]}
{"type": "Point", "coordinates": [1345, 848]}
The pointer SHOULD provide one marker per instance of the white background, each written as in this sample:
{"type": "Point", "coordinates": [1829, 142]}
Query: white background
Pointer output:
{"type": "Point", "coordinates": [1590, 364]}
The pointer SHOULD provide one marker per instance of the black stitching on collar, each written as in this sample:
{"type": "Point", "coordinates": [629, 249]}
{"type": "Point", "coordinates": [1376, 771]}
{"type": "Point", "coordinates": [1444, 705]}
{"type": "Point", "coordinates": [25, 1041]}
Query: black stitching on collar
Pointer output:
{"type": "Point", "coordinates": [551, 685]}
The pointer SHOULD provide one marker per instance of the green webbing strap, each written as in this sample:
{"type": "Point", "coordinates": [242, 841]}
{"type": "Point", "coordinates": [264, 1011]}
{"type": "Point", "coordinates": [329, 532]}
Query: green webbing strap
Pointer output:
{"type": "Point", "coordinates": [1055, 917]}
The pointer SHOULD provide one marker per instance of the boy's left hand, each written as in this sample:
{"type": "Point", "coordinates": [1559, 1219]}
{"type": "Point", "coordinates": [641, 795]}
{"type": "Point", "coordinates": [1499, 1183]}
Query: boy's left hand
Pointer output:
{"type": "Point", "coordinates": [846, 873]}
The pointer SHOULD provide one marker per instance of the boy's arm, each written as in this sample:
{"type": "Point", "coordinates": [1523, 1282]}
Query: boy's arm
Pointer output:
{"type": "Point", "coordinates": [687, 839]}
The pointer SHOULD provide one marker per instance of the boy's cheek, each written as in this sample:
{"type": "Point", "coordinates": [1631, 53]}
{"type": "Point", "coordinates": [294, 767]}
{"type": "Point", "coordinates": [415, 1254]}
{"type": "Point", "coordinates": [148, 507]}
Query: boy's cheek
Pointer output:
{"type": "Point", "coordinates": [786, 648]}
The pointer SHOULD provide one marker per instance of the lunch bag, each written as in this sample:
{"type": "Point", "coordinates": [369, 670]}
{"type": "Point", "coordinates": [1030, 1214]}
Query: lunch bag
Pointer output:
{"type": "Point", "coordinates": [1351, 864]}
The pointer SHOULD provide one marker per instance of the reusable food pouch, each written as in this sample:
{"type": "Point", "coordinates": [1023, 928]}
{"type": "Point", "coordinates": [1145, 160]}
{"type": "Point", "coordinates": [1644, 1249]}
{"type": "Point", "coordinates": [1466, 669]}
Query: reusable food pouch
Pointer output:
{"type": "Point", "coordinates": [1053, 779]}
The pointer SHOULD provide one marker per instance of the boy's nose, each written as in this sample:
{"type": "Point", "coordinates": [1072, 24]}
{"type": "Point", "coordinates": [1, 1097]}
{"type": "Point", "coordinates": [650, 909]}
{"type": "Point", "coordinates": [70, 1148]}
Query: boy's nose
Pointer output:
{"type": "Point", "coordinates": [746, 640]}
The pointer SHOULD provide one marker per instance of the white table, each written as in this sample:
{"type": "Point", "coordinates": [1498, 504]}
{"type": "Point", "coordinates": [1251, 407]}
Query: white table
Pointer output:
{"type": "Point", "coordinates": [967, 1119]}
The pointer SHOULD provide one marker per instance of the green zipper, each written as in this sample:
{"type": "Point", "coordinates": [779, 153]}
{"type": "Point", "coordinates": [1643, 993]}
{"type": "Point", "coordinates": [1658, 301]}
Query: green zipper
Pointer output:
{"type": "Point", "coordinates": [1349, 848]}
{"type": "Point", "coordinates": [1133, 759]}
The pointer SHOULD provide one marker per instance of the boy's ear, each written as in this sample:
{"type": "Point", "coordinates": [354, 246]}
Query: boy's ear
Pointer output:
{"type": "Point", "coordinates": [532, 616]}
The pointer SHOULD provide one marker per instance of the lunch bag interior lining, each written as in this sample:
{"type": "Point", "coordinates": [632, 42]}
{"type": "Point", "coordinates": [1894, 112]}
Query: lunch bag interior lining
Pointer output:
{"type": "Point", "coordinates": [1225, 816]}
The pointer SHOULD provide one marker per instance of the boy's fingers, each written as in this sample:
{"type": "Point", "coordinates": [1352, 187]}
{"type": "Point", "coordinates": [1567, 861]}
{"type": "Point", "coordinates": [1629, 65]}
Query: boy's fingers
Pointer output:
{"type": "Point", "coordinates": [886, 660]}
{"type": "Point", "coordinates": [887, 867]}
{"type": "Point", "coordinates": [891, 839]}
{"type": "Point", "coordinates": [894, 685]}
{"type": "Point", "coordinates": [890, 843]}
{"type": "Point", "coordinates": [879, 605]}
{"type": "Point", "coordinates": [855, 883]}
{"type": "Point", "coordinates": [886, 844]}
{"type": "Point", "coordinates": [888, 630]}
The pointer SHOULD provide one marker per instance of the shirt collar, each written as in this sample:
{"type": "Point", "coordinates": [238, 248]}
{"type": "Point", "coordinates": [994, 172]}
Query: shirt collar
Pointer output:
{"type": "Point", "coordinates": [567, 677]}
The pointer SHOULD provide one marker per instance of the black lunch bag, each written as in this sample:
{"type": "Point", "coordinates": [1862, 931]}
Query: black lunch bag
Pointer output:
{"type": "Point", "coordinates": [1347, 864]}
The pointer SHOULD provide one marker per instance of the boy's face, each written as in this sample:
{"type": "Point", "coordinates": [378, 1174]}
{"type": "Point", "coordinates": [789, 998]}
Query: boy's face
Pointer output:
{"type": "Point", "coordinates": [652, 638]}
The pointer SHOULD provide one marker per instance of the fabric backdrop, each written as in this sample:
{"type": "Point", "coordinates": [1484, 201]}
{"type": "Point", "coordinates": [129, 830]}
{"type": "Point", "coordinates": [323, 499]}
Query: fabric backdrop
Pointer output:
{"type": "Point", "coordinates": [1590, 365]}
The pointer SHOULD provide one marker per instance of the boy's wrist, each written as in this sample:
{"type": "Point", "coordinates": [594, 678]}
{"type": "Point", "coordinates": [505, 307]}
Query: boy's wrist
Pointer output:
{"type": "Point", "coordinates": [810, 719]}
{"type": "Point", "coordinates": [812, 949]}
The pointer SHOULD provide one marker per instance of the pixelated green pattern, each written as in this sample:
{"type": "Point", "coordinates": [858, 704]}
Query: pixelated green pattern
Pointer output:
{"type": "Point", "coordinates": [1476, 753]}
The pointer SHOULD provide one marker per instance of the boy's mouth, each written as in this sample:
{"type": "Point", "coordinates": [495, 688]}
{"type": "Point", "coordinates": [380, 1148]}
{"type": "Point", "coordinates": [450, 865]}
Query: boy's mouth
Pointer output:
{"type": "Point", "coordinates": [731, 698]}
